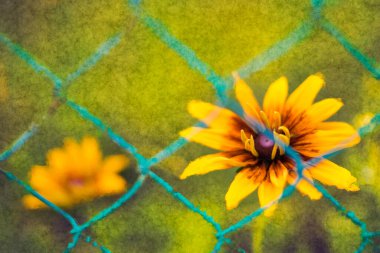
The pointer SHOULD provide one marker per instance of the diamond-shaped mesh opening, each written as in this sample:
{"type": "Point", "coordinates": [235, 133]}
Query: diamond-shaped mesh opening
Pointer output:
{"type": "Point", "coordinates": [162, 224]}
{"type": "Point", "coordinates": [149, 87]}
{"type": "Point", "coordinates": [18, 108]}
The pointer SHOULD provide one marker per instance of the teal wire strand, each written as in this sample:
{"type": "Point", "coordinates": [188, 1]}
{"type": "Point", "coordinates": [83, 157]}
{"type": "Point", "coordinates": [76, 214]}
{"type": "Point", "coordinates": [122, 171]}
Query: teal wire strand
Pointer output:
{"type": "Point", "coordinates": [184, 200]}
{"type": "Point", "coordinates": [375, 121]}
{"type": "Point", "coordinates": [218, 245]}
{"type": "Point", "coordinates": [73, 243]}
{"type": "Point", "coordinates": [112, 208]}
{"type": "Point", "coordinates": [29, 59]}
{"type": "Point", "coordinates": [10, 176]}
{"type": "Point", "coordinates": [172, 147]}
{"type": "Point", "coordinates": [168, 151]}
{"type": "Point", "coordinates": [182, 50]}
{"type": "Point", "coordinates": [19, 143]}
{"type": "Point", "coordinates": [277, 50]}
{"type": "Point", "coordinates": [99, 54]}
{"type": "Point", "coordinates": [93, 243]}
{"type": "Point", "coordinates": [368, 63]}
{"type": "Point", "coordinates": [363, 245]}
{"type": "Point", "coordinates": [99, 124]}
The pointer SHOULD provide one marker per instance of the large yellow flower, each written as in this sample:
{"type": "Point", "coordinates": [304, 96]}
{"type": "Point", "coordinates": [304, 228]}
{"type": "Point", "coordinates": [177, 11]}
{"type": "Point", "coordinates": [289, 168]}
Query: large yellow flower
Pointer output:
{"type": "Point", "coordinates": [76, 173]}
{"type": "Point", "coordinates": [294, 120]}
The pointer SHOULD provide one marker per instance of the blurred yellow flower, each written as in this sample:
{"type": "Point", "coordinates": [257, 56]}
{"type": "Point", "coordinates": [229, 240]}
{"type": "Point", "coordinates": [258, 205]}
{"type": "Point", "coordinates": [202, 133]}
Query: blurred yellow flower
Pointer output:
{"type": "Point", "coordinates": [76, 173]}
{"type": "Point", "coordinates": [293, 120]}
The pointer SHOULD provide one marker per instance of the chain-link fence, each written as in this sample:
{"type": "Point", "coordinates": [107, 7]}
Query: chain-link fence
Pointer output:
{"type": "Point", "coordinates": [221, 84]}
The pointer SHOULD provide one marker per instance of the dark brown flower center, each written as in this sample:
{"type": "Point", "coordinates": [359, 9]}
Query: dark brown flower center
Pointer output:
{"type": "Point", "coordinates": [264, 146]}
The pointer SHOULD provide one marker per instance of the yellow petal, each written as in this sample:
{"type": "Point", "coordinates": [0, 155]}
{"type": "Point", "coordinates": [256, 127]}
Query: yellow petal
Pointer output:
{"type": "Point", "coordinates": [246, 98]}
{"type": "Point", "coordinates": [72, 147]}
{"type": "Point", "coordinates": [324, 109]}
{"type": "Point", "coordinates": [46, 184]}
{"type": "Point", "coordinates": [58, 197]}
{"type": "Point", "coordinates": [31, 202]}
{"type": "Point", "coordinates": [240, 188]}
{"type": "Point", "coordinates": [343, 135]}
{"type": "Point", "coordinates": [302, 97]}
{"type": "Point", "coordinates": [83, 191]}
{"type": "Point", "coordinates": [58, 162]}
{"type": "Point", "coordinates": [74, 156]}
{"type": "Point", "coordinates": [110, 183]}
{"type": "Point", "coordinates": [278, 174]}
{"type": "Point", "coordinates": [330, 173]}
{"type": "Point", "coordinates": [91, 155]}
{"type": "Point", "coordinates": [41, 179]}
{"type": "Point", "coordinates": [269, 192]}
{"type": "Point", "coordinates": [214, 116]}
{"type": "Point", "coordinates": [305, 188]}
{"type": "Point", "coordinates": [213, 138]}
{"type": "Point", "coordinates": [275, 96]}
{"type": "Point", "coordinates": [213, 162]}
{"type": "Point", "coordinates": [115, 163]}
{"type": "Point", "coordinates": [330, 137]}
{"type": "Point", "coordinates": [336, 126]}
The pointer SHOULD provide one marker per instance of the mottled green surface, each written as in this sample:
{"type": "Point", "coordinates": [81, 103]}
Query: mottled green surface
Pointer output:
{"type": "Point", "coordinates": [141, 90]}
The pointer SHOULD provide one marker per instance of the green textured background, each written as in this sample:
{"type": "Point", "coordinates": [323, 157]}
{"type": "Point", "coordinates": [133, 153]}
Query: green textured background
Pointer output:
{"type": "Point", "coordinates": [141, 90]}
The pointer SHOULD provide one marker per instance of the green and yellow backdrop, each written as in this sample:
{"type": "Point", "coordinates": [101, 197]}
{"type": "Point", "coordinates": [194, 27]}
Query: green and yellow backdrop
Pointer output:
{"type": "Point", "coordinates": [123, 72]}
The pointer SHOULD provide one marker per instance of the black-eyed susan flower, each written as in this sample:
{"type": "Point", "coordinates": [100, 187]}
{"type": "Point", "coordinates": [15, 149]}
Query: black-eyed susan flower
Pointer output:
{"type": "Point", "coordinates": [76, 173]}
{"type": "Point", "coordinates": [293, 121]}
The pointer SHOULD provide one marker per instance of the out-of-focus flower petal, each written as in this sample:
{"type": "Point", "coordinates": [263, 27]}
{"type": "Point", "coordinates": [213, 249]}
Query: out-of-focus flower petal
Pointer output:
{"type": "Point", "coordinates": [76, 173]}
{"type": "Point", "coordinates": [110, 183]}
{"type": "Point", "coordinates": [91, 155]}
{"type": "Point", "coordinates": [115, 163]}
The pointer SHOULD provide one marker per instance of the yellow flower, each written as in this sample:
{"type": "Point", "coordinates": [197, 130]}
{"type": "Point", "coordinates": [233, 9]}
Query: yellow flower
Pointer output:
{"type": "Point", "coordinates": [294, 120]}
{"type": "Point", "coordinates": [76, 173]}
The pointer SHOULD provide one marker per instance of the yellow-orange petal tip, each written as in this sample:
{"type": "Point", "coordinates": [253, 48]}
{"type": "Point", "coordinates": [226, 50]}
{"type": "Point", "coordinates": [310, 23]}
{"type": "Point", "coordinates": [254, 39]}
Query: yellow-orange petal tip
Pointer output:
{"type": "Point", "coordinates": [31, 202]}
{"type": "Point", "coordinates": [270, 211]}
{"type": "Point", "coordinates": [183, 176]}
{"type": "Point", "coordinates": [319, 74]}
{"type": "Point", "coordinates": [353, 188]}
{"type": "Point", "coordinates": [230, 206]}
{"type": "Point", "coordinates": [235, 75]}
